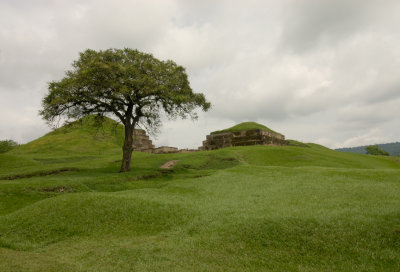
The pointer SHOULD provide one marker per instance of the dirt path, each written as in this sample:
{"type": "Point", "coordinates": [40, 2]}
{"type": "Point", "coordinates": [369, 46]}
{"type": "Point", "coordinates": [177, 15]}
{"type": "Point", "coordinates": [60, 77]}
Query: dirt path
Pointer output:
{"type": "Point", "coordinates": [169, 165]}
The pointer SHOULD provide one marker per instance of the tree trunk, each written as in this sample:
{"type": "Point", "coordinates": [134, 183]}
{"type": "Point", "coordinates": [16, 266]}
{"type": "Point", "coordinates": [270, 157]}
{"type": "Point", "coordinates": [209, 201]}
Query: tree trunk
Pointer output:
{"type": "Point", "coordinates": [127, 148]}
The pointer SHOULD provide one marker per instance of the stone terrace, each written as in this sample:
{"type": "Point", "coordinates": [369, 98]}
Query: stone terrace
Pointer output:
{"type": "Point", "coordinates": [242, 138]}
{"type": "Point", "coordinates": [142, 142]}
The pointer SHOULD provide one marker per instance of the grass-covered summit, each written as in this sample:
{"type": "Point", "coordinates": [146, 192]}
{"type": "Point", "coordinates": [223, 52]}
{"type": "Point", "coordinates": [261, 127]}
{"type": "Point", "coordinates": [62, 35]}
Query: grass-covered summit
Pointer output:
{"type": "Point", "coordinates": [244, 126]}
{"type": "Point", "coordinates": [82, 136]}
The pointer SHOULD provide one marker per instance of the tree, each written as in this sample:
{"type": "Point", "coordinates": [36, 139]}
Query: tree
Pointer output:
{"type": "Point", "coordinates": [130, 85]}
{"type": "Point", "coordinates": [375, 150]}
{"type": "Point", "coordinates": [7, 145]}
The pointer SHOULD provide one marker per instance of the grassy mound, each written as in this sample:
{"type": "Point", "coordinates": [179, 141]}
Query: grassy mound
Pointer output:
{"type": "Point", "coordinates": [82, 136]}
{"type": "Point", "coordinates": [244, 126]}
{"type": "Point", "coordinates": [252, 208]}
{"type": "Point", "coordinates": [77, 144]}
{"type": "Point", "coordinates": [87, 214]}
{"type": "Point", "coordinates": [315, 156]}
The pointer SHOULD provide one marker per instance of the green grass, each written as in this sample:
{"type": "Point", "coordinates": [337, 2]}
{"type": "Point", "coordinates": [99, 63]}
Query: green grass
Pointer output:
{"type": "Point", "coordinates": [256, 208]}
{"type": "Point", "coordinates": [244, 126]}
{"type": "Point", "coordinates": [82, 136]}
{"type": "Point", "coordinates": [297, 143]}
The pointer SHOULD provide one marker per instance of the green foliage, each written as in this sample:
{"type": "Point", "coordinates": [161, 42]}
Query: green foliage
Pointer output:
{"type": "Point", "coordinates": [131, 85]}
{"type": "Point", "coordinates": [7, 145]}
{"type": "Point", "coordinates": [244, 126]}
{"type": "Point", "coordinates": [375, 150]}
{"type": "Point", "coordinates": [251, 208]}
{"type": "Point", "coordinates": [392, 148]}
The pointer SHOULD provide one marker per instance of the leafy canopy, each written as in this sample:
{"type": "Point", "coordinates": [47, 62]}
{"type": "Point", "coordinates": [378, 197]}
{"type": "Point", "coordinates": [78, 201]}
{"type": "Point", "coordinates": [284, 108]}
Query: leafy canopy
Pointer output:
{"type": "Point", "coordinates": [375, 150]}
{"type": "Point", "coordinates": [129, 84]}
{"type": "Point", "coordinates": [7, 145]}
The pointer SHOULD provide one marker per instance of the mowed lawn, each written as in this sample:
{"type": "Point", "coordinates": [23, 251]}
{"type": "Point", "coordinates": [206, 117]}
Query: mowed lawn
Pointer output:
{"type": "Point", "coordinates": [258, 208]}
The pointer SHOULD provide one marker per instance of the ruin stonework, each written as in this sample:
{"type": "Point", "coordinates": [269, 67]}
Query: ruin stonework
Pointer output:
{"type": "Point", "coordinates": [242, 138]}
{"type": "Point", "coordinates": [165, 150]}
{"type": "Point", "coordinates": [142, 142]}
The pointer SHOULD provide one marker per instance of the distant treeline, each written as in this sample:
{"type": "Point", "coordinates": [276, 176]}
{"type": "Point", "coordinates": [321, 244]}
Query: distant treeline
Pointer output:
{"type": "Point", "coordinates": [392, 148]}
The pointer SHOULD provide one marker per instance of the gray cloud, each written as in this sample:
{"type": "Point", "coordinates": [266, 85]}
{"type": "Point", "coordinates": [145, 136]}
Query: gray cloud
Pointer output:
{"type": "Point", "coordinates": [323, 71]}
{"type": "Point", "coordinates": [309, 24]}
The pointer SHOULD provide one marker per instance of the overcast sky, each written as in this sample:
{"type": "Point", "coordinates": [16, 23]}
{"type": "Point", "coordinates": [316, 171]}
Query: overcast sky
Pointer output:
{"type": "Point", "coordinates": [317, 71]}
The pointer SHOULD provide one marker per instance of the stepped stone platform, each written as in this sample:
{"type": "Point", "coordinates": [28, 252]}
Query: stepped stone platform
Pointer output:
{"type": "Point", "coordinates": [242, 138]}
{"type": "Point", "coordinates": [142, 142]}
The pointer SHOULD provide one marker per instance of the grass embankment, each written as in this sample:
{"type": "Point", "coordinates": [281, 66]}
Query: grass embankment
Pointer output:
{"type": "Point", "coordinates": [238, 209]}
{"type": "Point", "coordinates": [244, 126]}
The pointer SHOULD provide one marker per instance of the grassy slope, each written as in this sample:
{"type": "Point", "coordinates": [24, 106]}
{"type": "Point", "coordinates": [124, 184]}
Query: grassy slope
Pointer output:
{"type": "Point", "coordinates": [74, 145]}
{"type": "Point", "coordinates": [80, 136]}
{"type": "Point", "coordinates": [244, 126]}
{"type": "Point", "coordinates": [243, 208]}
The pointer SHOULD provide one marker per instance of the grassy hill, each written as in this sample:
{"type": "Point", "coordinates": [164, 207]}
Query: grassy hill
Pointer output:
{"type": "Point", "coordinates": [392, 148]}
{"type": "Point", "coordinates": [80, 136]}
{"type": "Point", "coordinates": [255, 208]}
{"type": "Point", "coordinates": [244, 126]}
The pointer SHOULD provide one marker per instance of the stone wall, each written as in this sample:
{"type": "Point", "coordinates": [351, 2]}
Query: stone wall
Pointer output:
{"type": "Point", "coordinates": [187, 150]}
{"type": "Point", "coordinates": [165, 150]}
{"type": "Point", "coordinates": [242, 138]}
{"type": "Point", "coordinates": [142, 142]}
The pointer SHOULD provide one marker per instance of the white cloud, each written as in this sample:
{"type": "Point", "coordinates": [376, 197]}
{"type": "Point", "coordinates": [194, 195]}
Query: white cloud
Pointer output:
{"type": "Point", "coordinates": [374, 136]}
